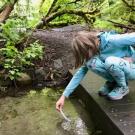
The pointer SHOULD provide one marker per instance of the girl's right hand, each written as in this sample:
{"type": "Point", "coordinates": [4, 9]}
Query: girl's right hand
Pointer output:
{"type": "Point", "coordinates": [60, 103]}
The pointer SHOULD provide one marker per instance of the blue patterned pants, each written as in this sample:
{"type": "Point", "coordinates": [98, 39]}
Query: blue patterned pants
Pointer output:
{"type": "Point", "coordinates": [113, 69]}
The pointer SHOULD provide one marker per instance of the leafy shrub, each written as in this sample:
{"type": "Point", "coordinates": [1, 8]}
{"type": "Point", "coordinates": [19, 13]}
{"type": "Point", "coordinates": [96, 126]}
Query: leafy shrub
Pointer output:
{"type": "Point", "coordinates": [13, 60]}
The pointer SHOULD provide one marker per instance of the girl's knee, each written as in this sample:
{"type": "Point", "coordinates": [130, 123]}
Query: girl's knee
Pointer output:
{"type": "Point", "coordinates": [111, 61]}
{"type": "Point", "coordinates": [95, 64]}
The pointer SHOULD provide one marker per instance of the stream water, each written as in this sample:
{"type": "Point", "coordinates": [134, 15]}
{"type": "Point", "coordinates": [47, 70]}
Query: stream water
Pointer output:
{"type": "Point", "coordinates": [35, 114]}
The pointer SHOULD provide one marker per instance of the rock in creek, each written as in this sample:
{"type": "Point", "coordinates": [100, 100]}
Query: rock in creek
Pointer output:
{"type": "Point", "coordinates": [24, 79]}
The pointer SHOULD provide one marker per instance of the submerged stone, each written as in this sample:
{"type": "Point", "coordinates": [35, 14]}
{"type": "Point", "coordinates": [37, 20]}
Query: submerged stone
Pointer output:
{"type": "Point", "coordinates": [24, 79]}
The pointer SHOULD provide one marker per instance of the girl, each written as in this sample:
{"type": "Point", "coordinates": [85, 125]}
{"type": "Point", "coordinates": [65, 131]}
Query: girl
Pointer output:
{"type": "Point", "coordinates": [107, 54]}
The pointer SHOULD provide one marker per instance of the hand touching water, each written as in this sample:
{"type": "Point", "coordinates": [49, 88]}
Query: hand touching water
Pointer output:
{"type": "Point", "coordinates": [60, 103]}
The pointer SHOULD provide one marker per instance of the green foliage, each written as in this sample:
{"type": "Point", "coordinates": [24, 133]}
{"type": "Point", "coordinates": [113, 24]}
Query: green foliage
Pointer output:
{"type": "Point", "coordinates": [105, 25]}
{"type": "Point", "coordinates": [13, 60]}
{"type": "Point", "coordinates": [12, 31]}
{"type": "Point", "coordinates": [116, 11]}
{"type": "Point", "coordinates": [84, 5]}
{"type": "Point", "coordinates": [26, 15]}
{"type": "Point", "coordinates": [30, 12]}
{"type": "Point", "coordinates": [8, 1]}
{"type": "Point", "coordinates": [27, 12]}
{"type": "Point", "coordinates": [35, 51]}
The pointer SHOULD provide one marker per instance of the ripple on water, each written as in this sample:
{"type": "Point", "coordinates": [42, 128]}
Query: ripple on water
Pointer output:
{"type": "Point", "coordinates": [75, 127]}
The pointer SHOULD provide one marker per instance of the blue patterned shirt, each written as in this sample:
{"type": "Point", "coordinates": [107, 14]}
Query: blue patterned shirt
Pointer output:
{"type": "Point", "coordinates": [111, 44]}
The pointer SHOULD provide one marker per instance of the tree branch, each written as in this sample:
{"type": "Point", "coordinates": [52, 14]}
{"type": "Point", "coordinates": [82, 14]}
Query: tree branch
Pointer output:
{"type": "Point", "coordinates": [55, 9]}
{"type": "Point", "coordinates": [83, 14]}
{"type": "Point", "coordinates": [74, 2]}
{"type": "Point", "coordinates": [62, 12]}
{"type": "Point", "coordinates": [6, 11]}
{"type": "Point", "coordinates": [132, 7]}
{"type": "Point", "coordinates": [53, 5]}
{"type": "Point", "coordinates": [121, 25]}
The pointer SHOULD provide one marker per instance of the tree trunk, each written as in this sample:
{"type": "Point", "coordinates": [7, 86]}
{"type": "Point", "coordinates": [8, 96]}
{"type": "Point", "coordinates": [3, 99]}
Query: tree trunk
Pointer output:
{"type": "Point", "coordinates": [4, 14]}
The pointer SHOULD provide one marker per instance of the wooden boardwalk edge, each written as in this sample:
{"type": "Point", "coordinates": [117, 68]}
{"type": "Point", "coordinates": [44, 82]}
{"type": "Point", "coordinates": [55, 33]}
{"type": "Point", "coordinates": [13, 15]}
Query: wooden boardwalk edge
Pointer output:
{"type": "Point", "coordinates": [100, 118]}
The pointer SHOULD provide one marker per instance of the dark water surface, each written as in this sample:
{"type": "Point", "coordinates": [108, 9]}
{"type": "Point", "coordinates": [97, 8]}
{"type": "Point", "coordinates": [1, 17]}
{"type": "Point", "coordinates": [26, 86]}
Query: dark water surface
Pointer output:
{"type": "Point", "coordinates": [35, 114]}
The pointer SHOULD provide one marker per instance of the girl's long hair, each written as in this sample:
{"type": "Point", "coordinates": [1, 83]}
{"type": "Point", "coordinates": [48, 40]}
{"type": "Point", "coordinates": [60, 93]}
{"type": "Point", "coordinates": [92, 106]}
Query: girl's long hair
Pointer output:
{"type": "Point", "coordinates": [84, 47]}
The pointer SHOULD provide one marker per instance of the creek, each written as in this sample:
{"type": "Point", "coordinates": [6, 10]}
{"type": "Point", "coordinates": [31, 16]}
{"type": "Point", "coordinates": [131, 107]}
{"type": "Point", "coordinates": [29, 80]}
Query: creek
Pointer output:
{"type": "Point", "coordinates": [35, 114]}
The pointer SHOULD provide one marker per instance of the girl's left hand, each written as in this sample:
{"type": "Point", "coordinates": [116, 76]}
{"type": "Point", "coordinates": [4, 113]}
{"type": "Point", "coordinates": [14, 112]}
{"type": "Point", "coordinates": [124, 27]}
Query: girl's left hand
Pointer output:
{"type": "Point", "coordinates": [129, 59]}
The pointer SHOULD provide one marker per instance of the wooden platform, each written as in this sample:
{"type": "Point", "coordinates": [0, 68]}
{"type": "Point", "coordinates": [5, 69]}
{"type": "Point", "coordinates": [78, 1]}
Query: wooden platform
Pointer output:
{"type": "Point", "coordinates": [114, 117]}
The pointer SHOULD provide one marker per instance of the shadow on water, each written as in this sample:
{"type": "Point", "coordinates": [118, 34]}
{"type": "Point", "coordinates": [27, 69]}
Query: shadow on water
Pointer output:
{"type": "Point", "coordinates": [35, 114]}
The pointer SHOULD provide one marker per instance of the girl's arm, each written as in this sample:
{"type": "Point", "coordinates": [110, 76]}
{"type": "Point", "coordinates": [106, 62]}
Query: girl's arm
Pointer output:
{"type": "Point", "coordinates": [75, 81]}
{"type": "Point", "coordinates": [127, 39]}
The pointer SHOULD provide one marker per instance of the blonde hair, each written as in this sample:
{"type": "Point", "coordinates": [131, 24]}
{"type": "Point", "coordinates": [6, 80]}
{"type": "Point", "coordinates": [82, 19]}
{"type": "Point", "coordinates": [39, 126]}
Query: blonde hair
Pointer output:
{"type": "Point", "coordinates": [84, 47]}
